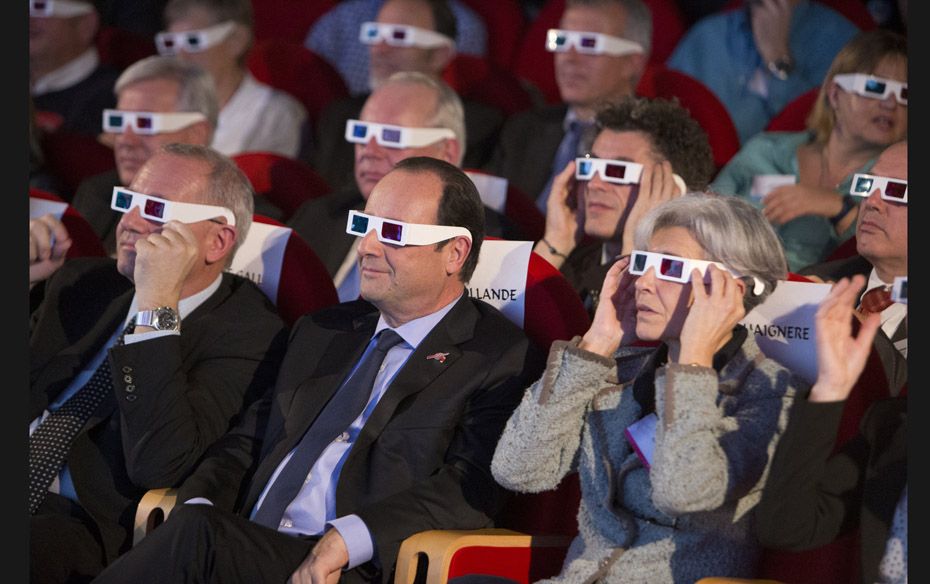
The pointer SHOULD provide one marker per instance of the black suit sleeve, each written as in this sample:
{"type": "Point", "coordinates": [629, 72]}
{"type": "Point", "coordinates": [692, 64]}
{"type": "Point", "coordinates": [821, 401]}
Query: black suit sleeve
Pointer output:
{"type": "Point", "coordinates": [810, 497]}
{"type": "Point", "coordinates": [188, 390]}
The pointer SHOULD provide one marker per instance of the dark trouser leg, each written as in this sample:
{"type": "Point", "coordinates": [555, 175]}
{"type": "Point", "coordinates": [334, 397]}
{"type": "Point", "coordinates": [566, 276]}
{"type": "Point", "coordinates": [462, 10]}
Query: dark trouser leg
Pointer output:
{"type": "Point", "coordinates": [64, 545]}
{"type": "Point", "coordinates": [199, 543]}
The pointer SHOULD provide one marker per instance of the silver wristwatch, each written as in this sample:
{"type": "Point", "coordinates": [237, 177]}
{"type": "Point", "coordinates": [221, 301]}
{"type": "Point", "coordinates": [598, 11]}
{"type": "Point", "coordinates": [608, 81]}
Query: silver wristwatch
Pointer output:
{"type": "Point", "coordinates": [162, 318]}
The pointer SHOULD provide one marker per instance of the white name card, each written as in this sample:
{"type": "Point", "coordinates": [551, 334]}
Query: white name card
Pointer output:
{"type": "Point", "coordinates": [261, 256]}
{"type": "Point", "coordinates": [500, 277]}
{"type": "Point", "coordinates": [762, 184]}
{"type": "Point", "coordinates": [784, 326]}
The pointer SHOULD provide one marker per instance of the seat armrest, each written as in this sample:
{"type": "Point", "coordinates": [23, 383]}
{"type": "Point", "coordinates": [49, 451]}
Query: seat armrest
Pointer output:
{"type": "Point", "coordinates": [438, 547]}
{"type": "Point", "coordinates": [152, 511]}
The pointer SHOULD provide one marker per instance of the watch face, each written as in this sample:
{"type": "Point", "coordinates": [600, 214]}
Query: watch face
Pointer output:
{"type": "Point", "coordinates": [166, 319]}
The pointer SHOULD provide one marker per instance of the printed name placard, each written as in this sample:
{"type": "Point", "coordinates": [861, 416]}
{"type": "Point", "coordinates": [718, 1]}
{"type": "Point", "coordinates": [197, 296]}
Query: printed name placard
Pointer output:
{"type": "Point", "coordinates": [39, 207]}
{"type": "Point", "coordinates": [491, 188]}
{"type": "Point", "coordinates": [784, 326]}
{"type": "Point", "coordinates": [261, 256]}
{"type": "Point", "coordinates": [500, 277]}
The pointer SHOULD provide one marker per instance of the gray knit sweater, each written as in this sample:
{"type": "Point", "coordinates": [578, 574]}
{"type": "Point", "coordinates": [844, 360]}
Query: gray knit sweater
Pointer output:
{"type": "Point", "coordinates": [689, 515]}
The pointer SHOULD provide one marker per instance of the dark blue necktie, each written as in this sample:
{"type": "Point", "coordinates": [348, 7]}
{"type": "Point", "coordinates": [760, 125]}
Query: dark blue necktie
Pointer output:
{"type": "Point", "coordinates": [51, 441]}
{"type": "Point", "coordinates": [341, 410]}
{"type": "Point", "coordinates": [568, 151]}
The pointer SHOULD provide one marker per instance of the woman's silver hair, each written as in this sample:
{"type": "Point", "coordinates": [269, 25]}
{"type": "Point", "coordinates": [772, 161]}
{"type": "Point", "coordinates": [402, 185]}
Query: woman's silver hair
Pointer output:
{"type": "Point", "coordinates": [196, 92]}
{"type": "Point", "coordinates": [449, 110]}
{"type": "Point", "coordinates": [730, 230]}
{"type": "Point", "coordinates": [227, 186]}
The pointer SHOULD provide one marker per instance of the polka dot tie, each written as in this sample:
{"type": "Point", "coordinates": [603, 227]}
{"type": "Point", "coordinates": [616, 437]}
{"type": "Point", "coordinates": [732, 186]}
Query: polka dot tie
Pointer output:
{"type": "Point", "coordinates": [50, 443]}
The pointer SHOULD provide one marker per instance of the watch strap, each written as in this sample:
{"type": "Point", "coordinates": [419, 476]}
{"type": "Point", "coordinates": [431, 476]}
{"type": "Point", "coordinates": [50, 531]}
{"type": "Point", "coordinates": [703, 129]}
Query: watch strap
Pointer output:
{"type": "Point", "coordinates": [150, 318]}
{"type": "Point", "coordinates": [848, 203]}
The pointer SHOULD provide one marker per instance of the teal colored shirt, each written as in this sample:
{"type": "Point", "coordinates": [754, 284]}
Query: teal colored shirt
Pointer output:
{"type": "Point", "coordinates": [808, 239]}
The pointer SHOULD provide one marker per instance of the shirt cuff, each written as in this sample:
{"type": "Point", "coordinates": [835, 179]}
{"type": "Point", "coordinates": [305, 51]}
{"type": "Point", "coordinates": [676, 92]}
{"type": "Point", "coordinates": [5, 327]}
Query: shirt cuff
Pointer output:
{"type": "Point", "coordinates": [357, 538]}
{"type": "Point", "coordinates": [198, 501]}
{"type": "Point", "coordinates": [138, 337]}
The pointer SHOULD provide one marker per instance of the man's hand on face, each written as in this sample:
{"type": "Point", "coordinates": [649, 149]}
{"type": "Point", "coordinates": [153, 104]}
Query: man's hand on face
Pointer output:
{"type": "Point", "coordinates": [164, 260]}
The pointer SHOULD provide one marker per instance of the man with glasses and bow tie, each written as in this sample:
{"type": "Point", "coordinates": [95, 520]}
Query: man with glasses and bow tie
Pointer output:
{"type": "Point", "coordinates": [646, 152]}
{"type": "Point", "coordinates": [881, 243]}
{"type": "Point", "coordinates": [601, 49]}
{"type": "Point", "coordinates": [382, 422]}
{"type": "Point", "coordinates": [159, 100]}
{"type": "Point", "coordinates": [138, 364]}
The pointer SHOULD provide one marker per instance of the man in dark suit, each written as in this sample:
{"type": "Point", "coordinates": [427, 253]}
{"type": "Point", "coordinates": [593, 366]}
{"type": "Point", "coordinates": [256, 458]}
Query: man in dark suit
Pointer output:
{"type": "Point", "coordinates": [535, 145]}
{"type": "Point", "coordinates": [418, 455]}
{"type": "Point", "coordinates": [818, 490]}
{"type": "Point", "coordinates": [197, 346]}
{"type": "Point", "coordinates": [408, 99]}
{"type": "Point", "coordinates": [69, 85]}
{"type": "Point", "coordinates": [881, 242]}
{"type": "Point", "coordinates": [158, 85]}
{"type": "Point", "coordinates": [332, 155]}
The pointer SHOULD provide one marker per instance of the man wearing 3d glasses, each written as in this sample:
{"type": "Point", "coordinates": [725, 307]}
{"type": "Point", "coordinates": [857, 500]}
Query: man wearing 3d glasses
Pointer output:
{"type": "Point", "coordinates": [159, 100]}
{"type": "Point", "coordinates": [383, 420]}
{"type": "Point", "coordinates": [138, 364]}
{"type": "Point", "coordinates": [68, 83]}
{"type": "Point", "coordinates": [601, 49]}
{"type": "Point", "coordinates": [647, 151]}
{"type": "Point", "coordinates": [407, 35]}
{"type": "Point", "coordinates": [881, 243]}
{"type": "Point", "coordinates": [411, 114]}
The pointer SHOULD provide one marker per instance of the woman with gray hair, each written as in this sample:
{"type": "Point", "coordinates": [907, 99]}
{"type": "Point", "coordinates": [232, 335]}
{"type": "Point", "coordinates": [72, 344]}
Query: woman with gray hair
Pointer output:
{"type": "Point", "coordinates": [666, 407]}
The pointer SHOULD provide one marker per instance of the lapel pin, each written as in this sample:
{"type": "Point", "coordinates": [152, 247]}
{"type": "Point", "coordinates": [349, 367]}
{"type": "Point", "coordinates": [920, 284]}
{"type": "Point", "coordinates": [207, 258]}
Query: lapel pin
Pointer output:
{"type": "Point", "coordinates": [441, 357]}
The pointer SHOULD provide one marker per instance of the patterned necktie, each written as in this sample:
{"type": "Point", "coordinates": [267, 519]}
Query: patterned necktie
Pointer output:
{"type": "Point", "coordinates": [568, 151]}
{"type": "Point", "coordinates": [344, 407]}
{"type": "Point", "coordinates": [875, 300]}
{"type": "Point", "coordinates": [50, 443]}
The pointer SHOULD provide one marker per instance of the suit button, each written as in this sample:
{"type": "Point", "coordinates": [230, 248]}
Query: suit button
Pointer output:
{"type": "Point", "coordinates": [130, 388]}
{"type": "Point", "coordinates": [131, 397]}
{"type": "Point", "coordinates": [127, 378]}
{"type": "Point", "coordinates": [127, 369]}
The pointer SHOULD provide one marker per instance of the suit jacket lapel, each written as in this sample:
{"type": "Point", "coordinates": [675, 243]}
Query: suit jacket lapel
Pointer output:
{"type": "Point", "coordinates": [419, 371]}
{"type": "Point", "coordinates": [60, 369]}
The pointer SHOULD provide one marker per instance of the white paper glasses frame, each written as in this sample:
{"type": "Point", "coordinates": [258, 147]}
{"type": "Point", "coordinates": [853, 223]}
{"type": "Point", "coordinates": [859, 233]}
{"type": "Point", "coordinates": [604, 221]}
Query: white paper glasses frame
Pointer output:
{"type": "Point", "coordinates": [678, 269]}
{"type": "Point", "coordinates": [402, 35]}
{"type": "Point", "coordinates": [618, 172]}
{"type": "Point", "coordinates": [149, 123]}
{"type": "Point", "coordinates": [872, 86]}
{"type": "Point", "coordinates": [193, 41]}
{"type": "Point", "coordinates": [899, 290]}
{"type": "Point", "coordinates": [59, 8]}
{"type": "Point", "coordinates": [591, 43]}
{"type": "Point", "coordinates": [400, 232]}
{"type": "Point", "coordinates": [163, 210]}
{"type": "Point", "coordinates": [359, 132]}
{"type": "Point", "coordinates": [891, 189]}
